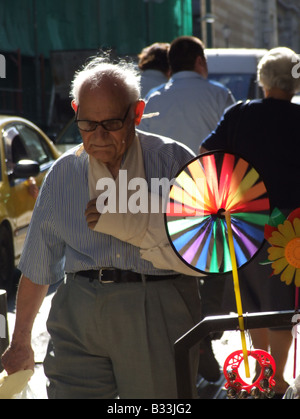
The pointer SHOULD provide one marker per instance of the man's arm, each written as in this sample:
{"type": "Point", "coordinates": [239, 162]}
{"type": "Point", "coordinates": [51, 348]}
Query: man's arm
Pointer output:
{"type": "Point", "coordinates": [19, 356]}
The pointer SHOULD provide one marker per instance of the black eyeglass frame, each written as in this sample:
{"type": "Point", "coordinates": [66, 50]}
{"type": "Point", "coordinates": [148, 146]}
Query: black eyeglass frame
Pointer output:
{"type": "Point", "coordinates": [103, 123]}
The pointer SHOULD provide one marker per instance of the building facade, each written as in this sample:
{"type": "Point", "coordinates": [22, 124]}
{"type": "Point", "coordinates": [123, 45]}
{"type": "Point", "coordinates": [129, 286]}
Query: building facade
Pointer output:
{"type": "Point", "coordinates": [248, 23]}
{"type": "Point", "coordinates": [288, 13]}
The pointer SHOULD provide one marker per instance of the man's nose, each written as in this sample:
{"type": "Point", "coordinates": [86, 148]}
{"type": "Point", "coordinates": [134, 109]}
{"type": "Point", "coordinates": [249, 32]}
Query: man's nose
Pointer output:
{"type": "Point", "coordinates": [100, 130]}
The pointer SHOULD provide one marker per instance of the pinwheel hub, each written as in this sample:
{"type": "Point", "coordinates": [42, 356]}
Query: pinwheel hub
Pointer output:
{"type": "Point", "coordinates": [221, 213]}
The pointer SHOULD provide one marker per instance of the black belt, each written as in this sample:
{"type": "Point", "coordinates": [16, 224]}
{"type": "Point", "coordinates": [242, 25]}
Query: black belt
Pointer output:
{"type": "Point", "coordinates": [120, 276]}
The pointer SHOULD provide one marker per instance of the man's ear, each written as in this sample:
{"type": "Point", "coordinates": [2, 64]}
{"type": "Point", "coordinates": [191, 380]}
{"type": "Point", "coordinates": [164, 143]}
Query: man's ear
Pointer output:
{"type": "Point", "coordinates": [74, 106]}
{"type": "Point", "coordinates": [201, 66]}
{"type": "Point", "coordinates": [139, 110]}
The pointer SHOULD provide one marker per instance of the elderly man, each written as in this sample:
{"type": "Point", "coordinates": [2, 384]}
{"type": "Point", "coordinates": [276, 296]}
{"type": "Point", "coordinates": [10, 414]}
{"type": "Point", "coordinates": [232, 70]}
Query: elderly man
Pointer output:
{"type": "Point", "coordinates": [189, 105]}
{"type": "Point", "coordinates": [116, 316]}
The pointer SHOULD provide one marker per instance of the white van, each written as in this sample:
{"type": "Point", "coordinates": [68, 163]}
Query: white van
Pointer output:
{"type": "Point", "coordinates": [236, 69]}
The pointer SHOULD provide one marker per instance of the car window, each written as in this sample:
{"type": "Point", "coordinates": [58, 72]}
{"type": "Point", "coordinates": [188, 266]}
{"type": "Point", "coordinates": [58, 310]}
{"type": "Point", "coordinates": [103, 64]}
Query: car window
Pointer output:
{"type": "Point", "coordinates": [23, 142]}
{"type": "Point", "coordinates": [34, 145]}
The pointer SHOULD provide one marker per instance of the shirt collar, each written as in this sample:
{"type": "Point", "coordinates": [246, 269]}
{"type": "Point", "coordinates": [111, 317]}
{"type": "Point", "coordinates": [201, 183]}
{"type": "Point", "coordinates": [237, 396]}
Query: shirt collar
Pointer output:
{"type": "Point", "coordinates": [187, 75]}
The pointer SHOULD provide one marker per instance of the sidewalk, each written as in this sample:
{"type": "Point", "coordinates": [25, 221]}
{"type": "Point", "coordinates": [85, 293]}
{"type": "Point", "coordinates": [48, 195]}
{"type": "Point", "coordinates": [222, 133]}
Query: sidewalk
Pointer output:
{"type": "Point", "coordinates": [230, 342]}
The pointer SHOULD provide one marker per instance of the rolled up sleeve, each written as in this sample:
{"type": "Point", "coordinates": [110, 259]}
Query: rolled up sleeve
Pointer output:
{"type": "Point", "coordinates": [43, 259]}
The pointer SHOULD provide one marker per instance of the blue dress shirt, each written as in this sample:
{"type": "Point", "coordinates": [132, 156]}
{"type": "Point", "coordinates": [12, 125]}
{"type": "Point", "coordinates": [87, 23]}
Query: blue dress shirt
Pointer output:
{"type": "Point", "coordinates": [189, 107]}
{"type": "Point", "coordinates": [59, 239]}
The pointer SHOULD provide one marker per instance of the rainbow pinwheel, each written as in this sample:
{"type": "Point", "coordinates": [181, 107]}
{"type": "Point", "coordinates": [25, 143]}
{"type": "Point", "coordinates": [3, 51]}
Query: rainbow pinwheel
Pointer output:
{"type": "Point", "coordinates": [215, 218]}
{"type": "Point", "coordinates": [205, 190]}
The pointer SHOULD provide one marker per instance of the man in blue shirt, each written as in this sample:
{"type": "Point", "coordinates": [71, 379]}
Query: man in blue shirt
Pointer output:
{"type": "Point", "coordinates": [189, 105]}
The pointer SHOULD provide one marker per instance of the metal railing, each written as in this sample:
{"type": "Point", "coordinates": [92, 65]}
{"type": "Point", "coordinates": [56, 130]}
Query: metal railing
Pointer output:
{"type": "Point", "coordinates": [208, 325]}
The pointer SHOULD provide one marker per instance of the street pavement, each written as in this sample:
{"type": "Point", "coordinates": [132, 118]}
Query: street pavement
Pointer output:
{"type": "Point", "coordinates": [230, 342]}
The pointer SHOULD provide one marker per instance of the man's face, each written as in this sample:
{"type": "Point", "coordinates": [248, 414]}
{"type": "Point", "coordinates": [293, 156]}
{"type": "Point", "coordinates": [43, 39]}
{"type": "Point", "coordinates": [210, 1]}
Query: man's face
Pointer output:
{"type": "Point", "coordinates": [104, 103]}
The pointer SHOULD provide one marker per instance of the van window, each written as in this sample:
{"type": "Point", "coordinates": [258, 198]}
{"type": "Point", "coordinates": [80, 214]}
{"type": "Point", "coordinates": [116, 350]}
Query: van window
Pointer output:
{"type": "Point", "coordinates": [236, 68]}
{"type": "Point", "coordinates": [242, 86]}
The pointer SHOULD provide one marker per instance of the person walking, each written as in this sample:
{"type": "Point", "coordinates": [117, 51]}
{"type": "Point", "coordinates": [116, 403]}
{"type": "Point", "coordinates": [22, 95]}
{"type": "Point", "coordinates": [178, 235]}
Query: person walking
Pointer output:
{"type": "Point", "coordinates": [115, 317]}
{"type": "Point", "coordinates": [154, 66]}
{"type": "Point", "coordinates": [189, 105]}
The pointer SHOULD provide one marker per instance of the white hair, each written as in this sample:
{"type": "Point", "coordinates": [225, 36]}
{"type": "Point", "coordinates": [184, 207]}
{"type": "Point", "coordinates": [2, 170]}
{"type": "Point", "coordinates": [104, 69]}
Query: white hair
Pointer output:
{"type": "Point", "coordinates": [275, 69]}
{"type": "Point", "coordinates": [123, 72]}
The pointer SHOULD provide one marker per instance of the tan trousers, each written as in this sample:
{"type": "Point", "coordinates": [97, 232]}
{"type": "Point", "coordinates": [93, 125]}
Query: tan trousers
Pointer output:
{"type": "Point", "coordinates": [116, 340]}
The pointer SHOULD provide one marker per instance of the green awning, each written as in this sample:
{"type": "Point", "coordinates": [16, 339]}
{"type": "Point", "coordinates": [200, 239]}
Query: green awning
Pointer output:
{"type": "Point", "coordinates": [40, 26]}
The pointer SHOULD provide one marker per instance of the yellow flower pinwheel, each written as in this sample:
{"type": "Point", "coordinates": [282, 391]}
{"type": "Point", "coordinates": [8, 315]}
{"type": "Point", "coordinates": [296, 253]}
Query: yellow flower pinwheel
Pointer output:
{"type": "Point", "coordinates": [285, 250]}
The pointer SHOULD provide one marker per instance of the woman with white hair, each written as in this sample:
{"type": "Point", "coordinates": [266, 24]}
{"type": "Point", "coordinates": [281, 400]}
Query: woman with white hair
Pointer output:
{"type": "Point", "coordinates": [277, 73]}
{"type": "Point", "coordinates": [265, 132]}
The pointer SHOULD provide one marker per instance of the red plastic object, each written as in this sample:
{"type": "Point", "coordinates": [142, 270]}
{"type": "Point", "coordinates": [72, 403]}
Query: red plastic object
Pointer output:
{"type": "Point", "coordinates": [237, 388]}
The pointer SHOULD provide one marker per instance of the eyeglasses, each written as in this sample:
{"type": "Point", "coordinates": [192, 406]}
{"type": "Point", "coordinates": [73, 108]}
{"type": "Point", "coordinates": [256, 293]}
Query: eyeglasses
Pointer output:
{"type": "Point", "coordinates": [108, 124]}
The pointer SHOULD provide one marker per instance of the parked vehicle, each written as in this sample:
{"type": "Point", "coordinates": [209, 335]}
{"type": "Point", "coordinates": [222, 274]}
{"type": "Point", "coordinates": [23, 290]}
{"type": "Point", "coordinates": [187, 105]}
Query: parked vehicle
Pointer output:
{"type": "Point", "coordinates": [236, 69]}
{"type": "Point", "coordinates": [25, 151]}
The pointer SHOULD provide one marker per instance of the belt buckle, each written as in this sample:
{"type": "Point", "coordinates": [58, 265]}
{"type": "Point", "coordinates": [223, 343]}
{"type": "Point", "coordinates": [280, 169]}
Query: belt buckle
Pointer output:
{"type": "Point", "coordinates": [100, 277]}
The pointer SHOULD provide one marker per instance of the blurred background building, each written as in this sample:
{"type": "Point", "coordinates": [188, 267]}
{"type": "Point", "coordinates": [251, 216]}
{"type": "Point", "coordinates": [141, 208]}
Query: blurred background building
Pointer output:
{"type": "Point", "coordinates": [44, 41]}
{"type": "Point", "coordinates": [248, 23]}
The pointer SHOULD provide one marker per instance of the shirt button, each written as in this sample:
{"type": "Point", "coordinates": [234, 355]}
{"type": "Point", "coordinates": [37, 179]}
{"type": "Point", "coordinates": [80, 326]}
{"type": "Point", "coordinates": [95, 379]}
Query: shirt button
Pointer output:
{"type": "Point", "coordinates": [118, 255]}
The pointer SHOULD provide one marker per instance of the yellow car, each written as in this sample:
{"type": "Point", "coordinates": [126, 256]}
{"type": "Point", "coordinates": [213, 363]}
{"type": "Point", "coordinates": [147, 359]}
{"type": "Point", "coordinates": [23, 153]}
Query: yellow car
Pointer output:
{"type": "Point", "coordinates": [25, 153]}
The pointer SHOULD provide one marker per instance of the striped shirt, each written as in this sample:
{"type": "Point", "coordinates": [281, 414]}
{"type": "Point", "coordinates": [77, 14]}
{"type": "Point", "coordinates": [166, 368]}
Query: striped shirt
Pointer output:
{"type": "Point", "coordinates": [59, 239]}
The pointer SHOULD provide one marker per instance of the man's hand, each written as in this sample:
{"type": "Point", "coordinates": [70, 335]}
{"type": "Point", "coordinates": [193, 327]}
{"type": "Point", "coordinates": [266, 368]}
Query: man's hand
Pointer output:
{"type": "Point", "coordinates": [18, 357]}
{"type": "Point", "coordinates": [91, 214]}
